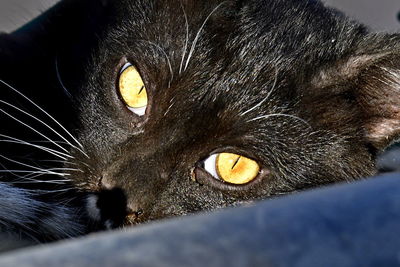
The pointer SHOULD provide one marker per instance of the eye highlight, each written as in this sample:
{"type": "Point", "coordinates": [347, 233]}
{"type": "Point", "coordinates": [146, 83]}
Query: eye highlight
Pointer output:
{"type": "Point", "coordinates": [132, 89]}
{"type": "Point", "coordinates": [232, 168]}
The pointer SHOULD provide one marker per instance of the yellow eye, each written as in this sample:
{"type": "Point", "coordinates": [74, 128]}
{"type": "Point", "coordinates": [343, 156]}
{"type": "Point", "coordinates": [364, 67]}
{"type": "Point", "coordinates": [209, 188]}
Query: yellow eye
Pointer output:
{"type": "Point", "coordinates": [132, 89]}
{"type": "Point", "coordinates": [232, 168]}
{"type": "Point", "coordinates": [236, 169]}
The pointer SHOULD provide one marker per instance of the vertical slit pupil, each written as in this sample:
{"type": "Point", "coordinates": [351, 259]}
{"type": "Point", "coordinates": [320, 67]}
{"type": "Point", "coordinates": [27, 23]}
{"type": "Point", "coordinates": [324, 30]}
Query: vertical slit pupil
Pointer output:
{"type": "Point", "coordinates": [236, 162]}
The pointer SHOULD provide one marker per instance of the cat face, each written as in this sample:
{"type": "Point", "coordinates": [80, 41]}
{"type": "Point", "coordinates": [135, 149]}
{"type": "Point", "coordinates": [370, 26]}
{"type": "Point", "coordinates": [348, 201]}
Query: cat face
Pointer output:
{"type": "Point", "coordinates": [182, 106]}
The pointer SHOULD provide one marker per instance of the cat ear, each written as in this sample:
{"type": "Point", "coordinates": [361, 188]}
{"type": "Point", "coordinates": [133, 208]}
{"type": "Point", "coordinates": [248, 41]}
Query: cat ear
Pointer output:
{"type": "Point", "coordinates": [377, 91]}
{"type": "Point", "coordinates": [370, 76]}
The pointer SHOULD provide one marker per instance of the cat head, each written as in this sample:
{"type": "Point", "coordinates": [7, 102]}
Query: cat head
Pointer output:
{"type": "Point", "coordinates": [182, 106]}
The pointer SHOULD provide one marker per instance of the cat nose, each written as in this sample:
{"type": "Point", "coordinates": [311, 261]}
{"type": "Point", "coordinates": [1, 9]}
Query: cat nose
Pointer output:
{"type": "Point", "coordinates": [115, 210]}
{"type": "Point", "coordinates": [112, 204]}
{"type": "Point", "coordinates": [139, 185]}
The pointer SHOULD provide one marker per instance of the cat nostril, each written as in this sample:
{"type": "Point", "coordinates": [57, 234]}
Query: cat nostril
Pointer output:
{"type": "Point", "coordinates": [112, 205]}
{"type": "Point", "coordinates": [132, 216]}
{"type": "Point", "coordinates": [139, 212]}
{"type": "Point", "coordinates": [135, 213]}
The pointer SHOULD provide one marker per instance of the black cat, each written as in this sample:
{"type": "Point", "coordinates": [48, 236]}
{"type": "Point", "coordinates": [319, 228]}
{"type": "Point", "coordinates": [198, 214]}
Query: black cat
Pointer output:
{"type": "Point", "coordinates": [174, 107]}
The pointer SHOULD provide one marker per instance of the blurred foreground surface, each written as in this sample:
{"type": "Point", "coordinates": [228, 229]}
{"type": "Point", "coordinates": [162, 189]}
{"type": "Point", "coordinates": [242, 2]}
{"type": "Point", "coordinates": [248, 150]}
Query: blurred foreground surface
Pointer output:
{"type": "Point", "coordinates": [343, 225]}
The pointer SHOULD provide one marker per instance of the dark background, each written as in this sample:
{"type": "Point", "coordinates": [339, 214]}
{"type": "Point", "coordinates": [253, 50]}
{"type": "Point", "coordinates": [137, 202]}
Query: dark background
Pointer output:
{"type": "Point", "coordinates": [379, 14]}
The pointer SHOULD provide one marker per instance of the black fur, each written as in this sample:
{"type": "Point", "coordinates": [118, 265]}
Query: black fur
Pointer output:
{"type": "Point", "coordinates": [308, 93]}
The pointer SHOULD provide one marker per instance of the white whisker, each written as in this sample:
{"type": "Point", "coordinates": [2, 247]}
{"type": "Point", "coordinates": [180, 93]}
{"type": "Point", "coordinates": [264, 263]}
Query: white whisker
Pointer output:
{"type": "Point", "coordinates": [45, 141]}
{"type": "Point", "coordinates": [30, 181]}
{"type": "Point", "coordinates": [46, 149]}
{"type": "Point", "coordinates": [66, 169]}
{"type": "Point", "coordinates": [166, 57]}
{"type": "Point", "coordinates": [43, 123]}
{"type": "Point", "coordinates": [280, 115]}
{"type": "Point", "coordinates": [60, 80]}
{"type": "Point", "coordinates": [55, 191]}
{"type": "Point", "coordinates": [33, 178]}
{"type": "Point", "coordinates": [186, 38]}
{"type": "Point", "coordinates": [26, 143]}
{"type": "Point", "coordinates": [33, 167]}
{"type": "Point", "coordinates": [39, 133]}
{"type": "Point", "coordinates": [265, 98]}
{"type": "Point", "coordinates": [81, 184]}
{"type": "Point", "coordinates": [42, 110]}
{"type": "Point", "coordinates": [168, 109]}
{"type": "Point", "coordinates": [198, 35]}
{"type": "Point", "coordinates": [32, 172]}
{"type": "Point", "coordinates": [57, 161]}
{"type": "Point", "coordinates": [29, 175]}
